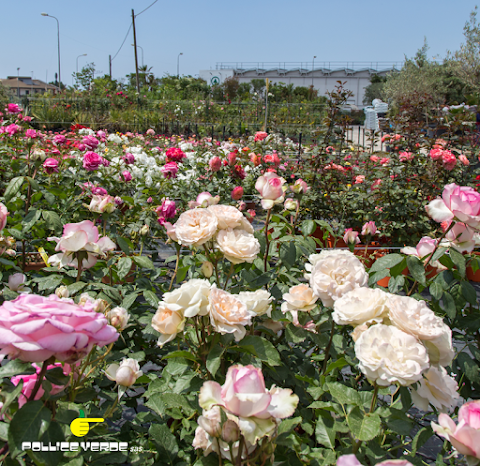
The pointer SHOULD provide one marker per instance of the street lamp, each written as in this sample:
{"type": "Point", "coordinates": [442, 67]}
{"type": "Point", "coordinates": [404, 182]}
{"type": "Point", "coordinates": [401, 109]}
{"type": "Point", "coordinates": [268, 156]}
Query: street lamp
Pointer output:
{"type": "Point", "coordinates": [58, 36]}
{"type": "Point", "coordinates": [313, 64]}
{"type": "Point", "coordinates": [133, 45]}
{"type": "Point", "coordinates": [178, 64]}
{"type": "Point", "coordinates": [76, 75]}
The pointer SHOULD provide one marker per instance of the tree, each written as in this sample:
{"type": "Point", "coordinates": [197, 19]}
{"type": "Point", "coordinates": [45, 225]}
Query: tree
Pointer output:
{"type": "Point", "coordinates": [85, 77]}
{"type": "Point", "coordinates": [375, 90]}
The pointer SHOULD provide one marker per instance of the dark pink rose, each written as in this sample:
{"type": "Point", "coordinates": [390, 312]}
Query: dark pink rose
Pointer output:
{"type": "Point", "coordinates": [13, 108]}
{"type": "Point", "coordinates": [51, 165]}
{"type": "Point", "coordinates": [129, 158]}
{"type": "Point", "coordinates": [174, 154]}
{"type": "Point", "coordinates": [59, 139]}
{"type": "Point", "coordinates": [260, 136]}
{"type": "Point", "coordinates": [237, 193]}
{"type": "Point", "coordinates": [92, 161]}
{"type": "Point", "coordinates": [215, 163]}
{"type": "Point", "coordinates": [90, 142]}
{"type": "Point", "coordinates": [170, 170]}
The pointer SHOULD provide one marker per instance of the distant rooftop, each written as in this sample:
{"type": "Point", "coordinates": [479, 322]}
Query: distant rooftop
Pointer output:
{"type": "Point", "coordinates": [312, 65]}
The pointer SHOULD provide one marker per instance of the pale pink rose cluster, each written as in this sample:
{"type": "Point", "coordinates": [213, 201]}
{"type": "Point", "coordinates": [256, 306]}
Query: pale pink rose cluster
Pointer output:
{"type": "Point", "coordinates": [464, 436]}
{"type": "Point", "coordinates": [446, 157]}
{"type": "Point", "coordinates": [80, 240]}
{"type": "Point", "coordinates": [399, 340]}
{"type": "Point", "coordinates": [300, 298]}
{"type": "Point", "coordinates": [228, 313]}
{"type": "Point", "coordinates": [241, 407]}
{"type": "Point", "coordinates": [34, 328]}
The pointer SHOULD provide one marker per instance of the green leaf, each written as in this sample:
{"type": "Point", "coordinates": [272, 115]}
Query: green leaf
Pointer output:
{"type": "Point", "coordinates": [295, 334]}
{"type": "Point", "coordinates": [469, 367]}
{"type": "Point", "coordinates": [468, 292]}
{"type": "Point", "coordinates": [160, 402]}
{"type": "Point", "coordinates": [287, 425]}
{"type": "Point", "coordinates": [28, 425]}
{"type": "Point", "coordinates": [436, 290]}
{"type": "Point", "coordinates": [308, 227]}
{"type": "Point", "coordinates": [53, 434]}
{"type": "Point", "coordinates": [288, 254]}
{"type": "Point", "coordinates": [144, 262]}
{"type": "Point", "coordinates": [13, 187]}
{"type": "Point", "coordinates": [16, 367]}
{"type": "Point", "coordinates": [166, 442]}
{"type": "Point", "coordinates": [4, 431]}
{"type": "Point", "coordinates": [57, 377]}
{"type": "Point", "coordinates": [324, 431]}
{"type": "Point", "coordinates": [124, 266]}
{"type": "Point", "coordinates": [30, 219]}
{"type": "Point", "coordinates": [125, 245]}
{"type": "Point", "coordinates": [48, 283]}
{"type": "Point", "coordinates": [74, 288]}
{"type": "Point", "coordinates": [416, 269]}
{"type": "Point", "coordinates": [151, 298]}
{"type": "Point", "coordinates": [262, 349]}
{"type": "Point", "coordinates": [214, 359]}
{"type": "Point", "coordinates": [458, 260]}
{"type": "Point", "coordinates": [386, 262]}
{"type": "Point", "coordinates": [438, 253]}
{"type": "Point", "coordinates": [448, 305]}
{"type": "Point", "coordinates": [422, 436]}
{"type": "Point", "coordinates": [343, 394]}
{"type": "Point", "coordinates": [181, 354]}
{"type": "Point", "coordinates": [365, 426]}
{"type": "Point", "coordinates": [338, 364]}
{"type": "Point", "coordinates": [52, 220]}
{"type": "Point", "coordinates": [129, 300]}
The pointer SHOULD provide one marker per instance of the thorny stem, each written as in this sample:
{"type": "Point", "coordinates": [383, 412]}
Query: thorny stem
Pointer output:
{"type": "Point", "coordinates": [40, 377]}
{"type": "Point", "coordinates": [240, 449]}
{"type": "Point", "coordinates": [176, 269]}
{"type": "Point", "coordinates": [267, 243]}
{"type": "Point", "coordinates": [230, 272]}
{"type": "Point", "coordinates": [373, 404]}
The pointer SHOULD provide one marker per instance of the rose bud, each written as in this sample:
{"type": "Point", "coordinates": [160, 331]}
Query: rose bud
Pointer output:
{"type": "Point", "coordinates": [62, 292]}
{"type": "Point", "coordinates": [230, 432]}
{"type": "Point", "coordinates": [144, 230]}
{"type": "Point", "coordinates": [207, 269]}
{"type": "Point", "coordinates": [125, 374]}
{"type": "Point", "coordinates": [118, 318]}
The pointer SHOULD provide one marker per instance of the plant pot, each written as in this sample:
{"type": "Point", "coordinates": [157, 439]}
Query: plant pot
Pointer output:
{"type": "Point", "coordinates": [329, 241]}
{"type": "Point", "coordinates": [471, 275]}
{"type": "Point", "coordinates": [33, 262]}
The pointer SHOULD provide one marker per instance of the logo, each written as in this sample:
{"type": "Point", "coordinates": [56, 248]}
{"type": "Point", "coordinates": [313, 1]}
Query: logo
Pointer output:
{"type": "Point", "coordinates": [215, 80]}
{"type": "Point", "coordinates": [81, 426]}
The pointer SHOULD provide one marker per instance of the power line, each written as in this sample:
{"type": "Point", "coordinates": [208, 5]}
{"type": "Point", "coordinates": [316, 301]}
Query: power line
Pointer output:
{"type": "Point", "coordinates": [126, 35]}
{"type": "Point", "coordinates": [138, 14]}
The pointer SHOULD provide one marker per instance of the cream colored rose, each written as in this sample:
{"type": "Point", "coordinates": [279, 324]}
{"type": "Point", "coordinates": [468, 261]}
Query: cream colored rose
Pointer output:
{"type": "Point", "coordinates": [334, 274]}
{"type": "Point", "coordinates": [360, 306]}
{"type": "Point", "coordinates": [191, 298]}
{"type": "Point", "coordinates": [299, 298]}
{"type": "Point", "coordinates": [440, 349]}
{"type": "Point", "coordinates": [358, 330]}
{"type": "Point", "coordinates": [257, 301]}
{"type": "Point", "coordinates": [246, 225]}
{"type": "Point", "coordinates": [388, 355]}
{"type": "Point", "coordinates": [168, 322]}
{"type": "Point", "coordinates": [227, 216]}
{"type": "Point", "coordinates": [415, 317]}
{"type": "Point", "coordinates": [436, 388]}
{"type": "Point", "coordinates": [228, 314]}
{"type": "Point", "coordinates": [195, 227]}
{"type": "Point", "coordinates": [238, 246]}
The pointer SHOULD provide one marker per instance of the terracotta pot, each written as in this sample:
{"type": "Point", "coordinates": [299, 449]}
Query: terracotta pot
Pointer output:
{"type": "Point", "coordinates": [330, 240]}
{"type": "Point", "coordinates": [250, 205]}
{"type": "Point", "coordinates": [471, 275]}
{"type": "Point", "coordinates": [33, 261]}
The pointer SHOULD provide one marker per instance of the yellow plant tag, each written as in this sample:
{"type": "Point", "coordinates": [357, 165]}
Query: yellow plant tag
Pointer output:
{"type": "Point", "coordinates": [44, 256]}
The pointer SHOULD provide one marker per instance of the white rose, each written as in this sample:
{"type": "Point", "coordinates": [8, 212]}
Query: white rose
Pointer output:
{"type": "Point", "coordinates": [440, 349]}
{"type": "Point", "coordinates": [257, 301]}
{"type": "Point", "coordinates": [415, 317]}
{"type": "Point", "coordinates": [334, 274]}
{"type": "Point", "coordinates": [228, 314]}
{"type": "Point", "coordinates": [211, 421]}
{"type": "Point", "coordinates": [195, 227]}
{"type": "Point", "coordinates": [191, 298]}
{"type": "Point", "coordinates": [118, 318]}
{"type": "Point", "coordinates": [388, 355]}
{"type": "Point", "coordinates": [361, 306]}
{"type": "Point", "coordinates": [299, 298]}
{"type": "Point", "coordinates": [237, 245]}
{"type": "Point", "coordinates": [168, 322]}
{"type": "Point", "coordinates": [436, 388]}
{"type": "Point", "coordinates": [227, 216]}
{"type": "Point", "coordinates": [125, 374]}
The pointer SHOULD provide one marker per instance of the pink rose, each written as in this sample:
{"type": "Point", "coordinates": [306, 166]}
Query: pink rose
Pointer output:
{"type": "Point", "coordinates": [260, 136]}
{"type": "Point", "coordinates": [174, 154]}
{"type": "Point", "coordinates": [405, 156]}
{"type": "Point", "coordinates": [424, 248]}
{"type": "Point", "coordinates": [351, 460]}
{"type": "Point", "coordinates": [50, 165]}
{"type": "Point", "coordinates": [92, 161]}
{"type": "Point", "coordinates": [232, 158]}
{"type": "Point", "coordinates": [270, 187]}
{"type": "Point", "coordinates": [359, 179]}
{"type": "Point", "coordinates": [369, 229]}
{"type": "Point", "coordinates": [460, 203]}
{"type": "Point", "coordinates": [90, 142]}
{"type": "Point", "coordinates": [98, 191]}
{"type": "Point", "coordinates": [150, 132]}
{"type": "Point", "coordinates": [204, 199]}
{"type": "Point", "coordinates": [436, 154]}
{"type": "Point", "coordinates": [351, 236]}
{"type": "Point", "coordinates": [215, 163]}
{"type": "Point", "coordinates": [167, 209]}
{"type": "Point", "coordinates": [31, 134]}
{"type": "Point", "coordinates": [126, 176]}
{"type": "Point", "coordinates": [59, 139]}
{"type": "Point", "coordinates": [464, 160]}
{"type": "Point", "coordinates": [101, 204]}
{"type": "Point", "coordinates": [448, 160]}
{"type": "Point", "coordinates": [170, 231]}
{"type": "Point", "coordinates": [376, 184]}
{"type": "Point", "coordinates": [29, 382]}
{"type": "Point", "coordinates": [461, 237]}
{"type": "Point", "coordinates": [237, 193]}
{"type": "Point", "coordinates": [128, 158]}
{"type": "Point", "coordinates": [170, 170]}
{"type": "Point", "coordinates": [299, 187]}
{"type": "Point", "coordinates": [3, 216]}
{"type": "Point", "coordinates": [13, 108]}
{"type": "Point", "coordinates": [80, 237]}
{"type": "Point", "coordinates": [464, 436]}
{"type": "Point", "coordinates": [12, 129]}
{"type": "Point", "coordinates": [34, 328]}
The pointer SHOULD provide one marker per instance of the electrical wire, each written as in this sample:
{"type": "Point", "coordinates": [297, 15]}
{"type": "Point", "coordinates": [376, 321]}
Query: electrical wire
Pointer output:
{"type": "Point", "coordinates": [123, 42]}
{"type": "Point", "coordinates": [138, 14]}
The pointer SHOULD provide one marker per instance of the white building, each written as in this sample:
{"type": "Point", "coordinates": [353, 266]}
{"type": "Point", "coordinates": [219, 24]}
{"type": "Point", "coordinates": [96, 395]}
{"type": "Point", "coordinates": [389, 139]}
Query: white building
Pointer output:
{"type": "Point", "coordinates": [323, 76]}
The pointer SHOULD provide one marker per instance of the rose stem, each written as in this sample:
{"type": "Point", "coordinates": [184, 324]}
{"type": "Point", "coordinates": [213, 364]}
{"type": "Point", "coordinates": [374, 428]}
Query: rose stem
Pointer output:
{"type": "Point", "coordinates": [40, 377]}
{"type": "Point", "coordinates": [327, 350]}
{"type": "Point", "coordinates": [176, 269]}
{"type": "Point", "coordinates": [228, 276]}
{"type": "Point", "coordinates": [267, 243]}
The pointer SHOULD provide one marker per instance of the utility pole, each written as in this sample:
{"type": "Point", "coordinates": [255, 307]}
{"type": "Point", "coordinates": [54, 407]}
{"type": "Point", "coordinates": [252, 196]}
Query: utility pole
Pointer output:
{"type": "Point", "coordinates": [135, 47]}
{"type": "Point", "coordinates": [110, 65]}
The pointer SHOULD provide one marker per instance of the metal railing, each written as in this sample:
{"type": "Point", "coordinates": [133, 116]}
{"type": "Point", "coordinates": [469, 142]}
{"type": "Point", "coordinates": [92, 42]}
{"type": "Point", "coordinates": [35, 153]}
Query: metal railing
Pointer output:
{"type": "Point", "coordinates": [312, 65]}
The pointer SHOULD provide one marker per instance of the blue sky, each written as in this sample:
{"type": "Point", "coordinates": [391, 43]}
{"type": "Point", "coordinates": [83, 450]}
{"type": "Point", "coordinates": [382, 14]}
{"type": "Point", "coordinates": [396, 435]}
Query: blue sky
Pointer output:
{"type": "Point", "coordinates": [214, 31]}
